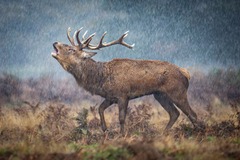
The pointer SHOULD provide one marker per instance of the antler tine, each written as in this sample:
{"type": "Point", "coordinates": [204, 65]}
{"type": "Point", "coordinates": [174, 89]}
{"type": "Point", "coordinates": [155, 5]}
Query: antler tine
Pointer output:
{"type": "Point", "coordinates": [101, 40]}
{"type": "Point", "coordinates": [124, 43]}
{"type": "Point", "coordinates": [69, 37]}
{"type": "Point", "coordinates": [83, 37]}
{"type": "Point", "coordinates": [77, 37]}
{"type": "Point", "coordinates": [120, 40]}
{"type": "Point", "coordinates": [86, 42]}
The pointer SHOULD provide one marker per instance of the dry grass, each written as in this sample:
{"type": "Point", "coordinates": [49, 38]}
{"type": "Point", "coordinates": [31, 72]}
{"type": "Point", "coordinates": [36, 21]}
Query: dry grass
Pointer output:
{"type": "Point", "coordinates": [38, 122]}
{"type": "Point", "coordinates": [52, 130]}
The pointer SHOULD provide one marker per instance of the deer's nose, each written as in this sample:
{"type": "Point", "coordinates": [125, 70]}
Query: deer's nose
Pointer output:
{"type": "Point", "coordinates": [55, 43]}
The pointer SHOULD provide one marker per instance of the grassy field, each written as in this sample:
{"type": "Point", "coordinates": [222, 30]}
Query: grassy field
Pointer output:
{"type": "Point", "coordinates": [53, 119]}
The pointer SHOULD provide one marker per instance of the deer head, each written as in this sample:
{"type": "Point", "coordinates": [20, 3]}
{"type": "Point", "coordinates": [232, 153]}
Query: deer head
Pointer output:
{"type": "Point", "coordinates": [70, 55]}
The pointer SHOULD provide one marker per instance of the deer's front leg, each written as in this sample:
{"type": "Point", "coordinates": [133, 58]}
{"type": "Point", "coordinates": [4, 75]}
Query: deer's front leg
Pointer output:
{"type": "Point", "coordinates": [105, 104]}
{"type": "Point", "coordinates": [122, 106]}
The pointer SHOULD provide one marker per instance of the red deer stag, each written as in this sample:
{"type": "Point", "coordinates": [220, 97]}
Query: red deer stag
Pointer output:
{"type": "Point", "coordinates": [121, 80]}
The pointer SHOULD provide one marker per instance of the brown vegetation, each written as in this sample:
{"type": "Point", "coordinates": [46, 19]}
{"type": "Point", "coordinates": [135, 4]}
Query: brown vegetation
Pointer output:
{"type": "Point", "coordinates": [35, 127]}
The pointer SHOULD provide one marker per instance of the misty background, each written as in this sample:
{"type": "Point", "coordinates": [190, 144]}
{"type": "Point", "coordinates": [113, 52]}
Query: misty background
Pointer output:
{"type": "Point", "coordinates": [198, 35]}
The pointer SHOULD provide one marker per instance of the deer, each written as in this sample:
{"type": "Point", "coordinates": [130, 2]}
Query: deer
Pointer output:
{"type": "Point", "coordinates": [120, 80]}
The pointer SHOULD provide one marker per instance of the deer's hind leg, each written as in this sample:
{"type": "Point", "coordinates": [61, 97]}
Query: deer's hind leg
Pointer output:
{"type": "Point", "coordinates": [181, 102]}
{"type": "Point", "coordinates": [168, 105]}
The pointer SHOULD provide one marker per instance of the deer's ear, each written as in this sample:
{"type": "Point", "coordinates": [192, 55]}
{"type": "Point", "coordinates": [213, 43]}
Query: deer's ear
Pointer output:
{"type": "Point", "coordinates": [86, 54]}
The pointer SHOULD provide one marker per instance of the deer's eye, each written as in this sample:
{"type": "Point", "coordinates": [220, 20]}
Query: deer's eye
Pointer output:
{"type": "Point", "coordinates": [70, 51]}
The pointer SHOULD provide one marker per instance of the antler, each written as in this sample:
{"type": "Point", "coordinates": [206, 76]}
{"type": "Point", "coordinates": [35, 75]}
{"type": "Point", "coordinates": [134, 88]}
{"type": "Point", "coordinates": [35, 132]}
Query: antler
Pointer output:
{"type": "Point", "coordinates": [85, 44]}
{"type": "Point", "coordinates": [118, 41]}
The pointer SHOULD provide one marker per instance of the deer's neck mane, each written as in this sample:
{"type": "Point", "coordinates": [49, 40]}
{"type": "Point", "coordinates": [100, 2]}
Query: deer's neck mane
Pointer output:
{"type": "Point", "coordinates": [90, 75]}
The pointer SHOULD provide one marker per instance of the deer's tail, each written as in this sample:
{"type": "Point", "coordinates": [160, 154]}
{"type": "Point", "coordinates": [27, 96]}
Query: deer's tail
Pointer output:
{"type": "Point", "coordinates": [185, 73]}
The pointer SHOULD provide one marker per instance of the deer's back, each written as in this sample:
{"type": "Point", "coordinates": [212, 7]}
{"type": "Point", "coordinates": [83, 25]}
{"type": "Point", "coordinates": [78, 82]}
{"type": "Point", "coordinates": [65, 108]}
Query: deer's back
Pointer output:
{"type": "Point", "coordinates": [135, 78]}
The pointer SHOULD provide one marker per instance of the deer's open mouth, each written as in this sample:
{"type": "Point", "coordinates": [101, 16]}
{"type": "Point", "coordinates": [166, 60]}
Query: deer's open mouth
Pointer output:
{"type": "Point", "coordinates": [55, 53]}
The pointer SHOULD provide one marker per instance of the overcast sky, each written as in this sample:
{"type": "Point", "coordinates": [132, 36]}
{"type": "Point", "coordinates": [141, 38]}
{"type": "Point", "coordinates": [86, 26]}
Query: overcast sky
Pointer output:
{"type": "Point", "coordinates": [194, 34]}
